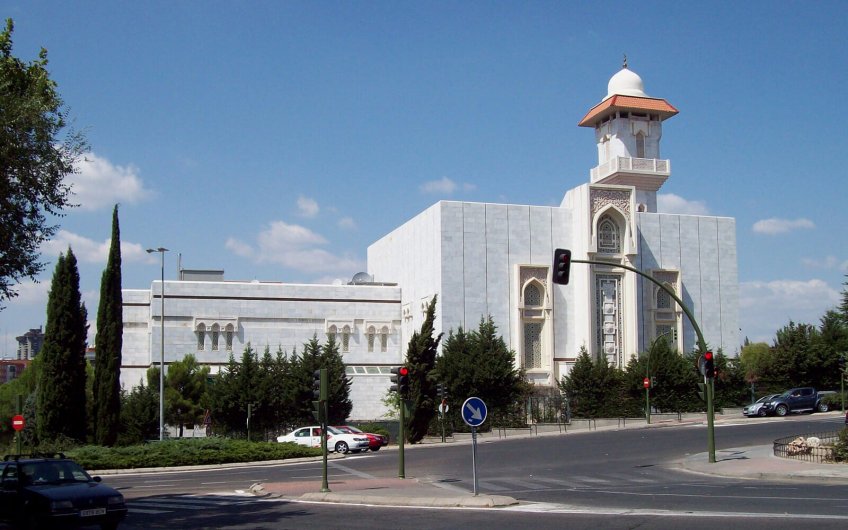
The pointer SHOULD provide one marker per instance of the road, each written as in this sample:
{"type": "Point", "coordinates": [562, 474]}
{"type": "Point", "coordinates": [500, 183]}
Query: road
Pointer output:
{"type": "Point", "coordinates": [609, 479]}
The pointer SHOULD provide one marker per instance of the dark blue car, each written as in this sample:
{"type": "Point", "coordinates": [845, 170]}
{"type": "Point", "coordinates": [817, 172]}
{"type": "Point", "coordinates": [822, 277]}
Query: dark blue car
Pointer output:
{"type": "Point", "coordinates": [55, 492]}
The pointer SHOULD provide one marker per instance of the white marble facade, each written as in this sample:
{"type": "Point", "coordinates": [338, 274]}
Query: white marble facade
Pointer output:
{"type": "Point", "coordinates": [489, 259]}
{"type": "Point", "coordinates": [213, 318]}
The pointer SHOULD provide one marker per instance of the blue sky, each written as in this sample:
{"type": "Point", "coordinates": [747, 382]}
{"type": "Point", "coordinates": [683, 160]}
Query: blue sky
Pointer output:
{"type": "Point", "coordinates": [277, 140]}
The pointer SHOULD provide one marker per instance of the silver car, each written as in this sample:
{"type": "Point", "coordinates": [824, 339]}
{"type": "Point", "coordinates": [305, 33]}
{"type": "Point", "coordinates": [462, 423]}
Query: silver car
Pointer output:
{"type": "Point", "coordinates": [756, 408]}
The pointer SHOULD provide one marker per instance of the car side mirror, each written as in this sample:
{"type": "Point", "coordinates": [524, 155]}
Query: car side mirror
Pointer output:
{"type": "Point", "coordinates": [96, 479]}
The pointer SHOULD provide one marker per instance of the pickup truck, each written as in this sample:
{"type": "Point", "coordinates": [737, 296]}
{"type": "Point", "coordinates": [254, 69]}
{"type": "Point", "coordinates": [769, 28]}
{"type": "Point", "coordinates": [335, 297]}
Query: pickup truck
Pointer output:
{"type": "Point", "coordinates": [799, 399]}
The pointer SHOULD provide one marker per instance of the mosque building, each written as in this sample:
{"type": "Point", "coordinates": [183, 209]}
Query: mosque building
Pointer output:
{"type": "Point", "coordinates": [485, 259]}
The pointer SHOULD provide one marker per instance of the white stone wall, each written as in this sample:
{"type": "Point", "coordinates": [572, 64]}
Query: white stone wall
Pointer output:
{"type": "Point", "coordinates": [703, 249]}
{"type": "Point", "coordinates": [275, 315]}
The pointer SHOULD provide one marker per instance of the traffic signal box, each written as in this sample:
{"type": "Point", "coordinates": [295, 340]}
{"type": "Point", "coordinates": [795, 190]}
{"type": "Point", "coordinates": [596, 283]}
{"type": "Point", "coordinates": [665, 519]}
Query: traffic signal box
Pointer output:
{"type": "Point", "coordinates": [709, 365]}
{"type": "Point", "coordinates": [400, 380]}
{"type": "Point", "coordinates": [320, 391]}
{"type": "Point", "coordinates": [562, 266]}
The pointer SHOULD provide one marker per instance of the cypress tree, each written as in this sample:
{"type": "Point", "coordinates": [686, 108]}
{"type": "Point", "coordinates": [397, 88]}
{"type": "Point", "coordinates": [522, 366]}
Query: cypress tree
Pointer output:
{"type": "Point", "coordinates": [108, 342]}
{"type": "Point", "coordinates": [338, 394]}
{"type": "Point", "coordinates": [60, 396]}
{"type": "Point", "coordinates": [421, 361]}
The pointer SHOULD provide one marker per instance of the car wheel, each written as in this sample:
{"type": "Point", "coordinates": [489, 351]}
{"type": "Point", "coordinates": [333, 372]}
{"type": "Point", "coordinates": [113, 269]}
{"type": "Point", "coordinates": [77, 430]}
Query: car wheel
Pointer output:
{"type": "Point", "coordinates": [822, 407]}
{"type": "Point", "coordinates": [781, 410]}
{"type": "Point", "coordinates": [375, 449]}
{"type": "Point", "coordinates": [761, 413]}
{"type": "Point", "coordinates": [341, 447]}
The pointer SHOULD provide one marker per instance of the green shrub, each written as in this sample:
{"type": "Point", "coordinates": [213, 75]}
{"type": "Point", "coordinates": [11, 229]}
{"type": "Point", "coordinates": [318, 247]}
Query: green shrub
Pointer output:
{"type": "Point", "coordinates": [840, 448]}
{"type": "Point", "coordinates": [373, 428]}
{"type": "Point", "coordinates": [186, 452]}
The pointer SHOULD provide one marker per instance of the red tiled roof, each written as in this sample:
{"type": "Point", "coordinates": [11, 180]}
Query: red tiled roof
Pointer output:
{"type": "Point", "coordinates": [617, 102]}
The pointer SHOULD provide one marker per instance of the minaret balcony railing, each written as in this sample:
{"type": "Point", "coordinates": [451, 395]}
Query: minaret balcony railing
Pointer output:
{"type": "Point", "coordinates": [626, 164]}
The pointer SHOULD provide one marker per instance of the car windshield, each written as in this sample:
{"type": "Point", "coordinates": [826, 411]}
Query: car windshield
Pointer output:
{"type": "Point", "coordinates": [333, 430]}
{"type": "Point", "coordinates": [53, 472]}
{"type": "Point", "coordinates": [353, 430]}
{"type": "Point", "coordinates": [764, 399]}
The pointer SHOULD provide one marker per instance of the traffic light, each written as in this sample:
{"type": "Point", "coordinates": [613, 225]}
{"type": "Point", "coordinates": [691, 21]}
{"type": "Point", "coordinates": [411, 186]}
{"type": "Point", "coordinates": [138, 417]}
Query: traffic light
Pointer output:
{"type": "Point", "coordinates": [562, 266]}
{"type": "Point", "coordinates": [400, 380]}
{"type": "Point", "coordinates": [702, 392]}
{"type": "Point", "coordinates": [319, 393]}
{"type": "Point", "coordinates": [709, 365]}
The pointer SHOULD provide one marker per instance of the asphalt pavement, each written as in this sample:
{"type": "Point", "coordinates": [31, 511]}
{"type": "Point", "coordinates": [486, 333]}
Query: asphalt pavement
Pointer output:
{"type": "Point", "coordinates": [754, 462]}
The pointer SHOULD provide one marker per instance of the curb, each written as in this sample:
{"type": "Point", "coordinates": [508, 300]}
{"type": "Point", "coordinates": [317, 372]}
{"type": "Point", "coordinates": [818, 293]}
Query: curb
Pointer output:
{"type": "Point", "coordinates": [480, 501]}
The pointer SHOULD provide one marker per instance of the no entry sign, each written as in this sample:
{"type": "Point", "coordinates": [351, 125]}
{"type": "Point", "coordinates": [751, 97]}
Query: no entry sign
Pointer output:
{"type": "Point", "coordinates": [646, 383]}
{"type": "Point", "coordinates": [18, 422]}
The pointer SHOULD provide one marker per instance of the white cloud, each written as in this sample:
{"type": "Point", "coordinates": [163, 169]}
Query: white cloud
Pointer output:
{"type": "Point", "coordinates": [444, 186]}
{"type": "Point", "coordinates": [671, 203]}
{"type": "Point", "coordinates": [307, 207]}
{"type": "Point", "coordinates": [295, 247]}
{"type": "Point", "coordinates": [765, 307]}
{"type": "Point", "coordinates": [31, 293]}
{"type": "Point", "coordinates": [101, 184]}
{"type": "Point", "coordinates": [829, 262]}
{"type": "Point", "coordinates": [347, 223]}
{"type": "Point", "coordinates": [90, 251]}
{"type": "Point", "coordinates": [781, 226]}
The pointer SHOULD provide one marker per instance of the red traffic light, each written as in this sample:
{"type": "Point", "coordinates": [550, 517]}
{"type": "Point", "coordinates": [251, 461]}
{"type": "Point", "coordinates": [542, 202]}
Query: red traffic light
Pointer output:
{"type": "Point", "coordinates": [562, 266]}
{"type": "Point", "coordinates": [403, 370]}
{"type": "Point", "coordinates": [708, 356]}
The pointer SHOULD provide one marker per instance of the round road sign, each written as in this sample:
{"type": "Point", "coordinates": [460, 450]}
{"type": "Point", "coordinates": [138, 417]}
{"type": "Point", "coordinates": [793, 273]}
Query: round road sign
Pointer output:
{"type": "Point", "coordinates": [646, 383]}
{"type": "Point", "coordinates": [18, 422]}
{"type": "Point", "coordinates": [474, 411]}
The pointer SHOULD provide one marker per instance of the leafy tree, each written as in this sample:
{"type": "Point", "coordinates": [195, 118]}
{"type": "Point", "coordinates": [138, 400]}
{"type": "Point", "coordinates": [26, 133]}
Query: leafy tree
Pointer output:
{"type": "Point", "coordinates": [23, 385]}
{"type": "Point", "coordinates": [108, 342]}
{"type": "Point", "coordinates": [676, 376]}
{"type": "Point", "coordinates": [224, 400]}
{"type": "Point", "coordinates": [421, 361]}
{"type": "Point", "coordinates": [754, 359]}
{"type": "Point", "coordinates": [185, 385]}
{"type": "Point", "coordinates": [140, 412]}
{"type": "Point", "coordinates": [34, 162]}
{"type": "Point", "coordinates": [480, 364]}
{"type": "Point", "coordinates": [584, 394]}
{"type": "Point", "coordinates": [61, 385]}
{"type": "Point", "coordinates": [338, 394]}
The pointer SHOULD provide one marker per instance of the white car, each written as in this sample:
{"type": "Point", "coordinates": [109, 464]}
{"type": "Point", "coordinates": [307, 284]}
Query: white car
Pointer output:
{"type": "Point", "coordinates": [336, 440]}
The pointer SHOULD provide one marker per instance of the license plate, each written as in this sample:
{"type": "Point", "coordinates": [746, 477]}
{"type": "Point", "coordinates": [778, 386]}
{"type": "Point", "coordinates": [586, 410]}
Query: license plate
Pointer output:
{"type": "Point", "coordinates": [92, 512]}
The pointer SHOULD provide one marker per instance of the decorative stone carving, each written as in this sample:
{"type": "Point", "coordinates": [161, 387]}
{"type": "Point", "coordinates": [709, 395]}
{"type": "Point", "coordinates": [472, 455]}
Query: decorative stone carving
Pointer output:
{"type": "Point", "coordinates": [537, 273]}
{"type": "Point", "coordinates": [600, 197]}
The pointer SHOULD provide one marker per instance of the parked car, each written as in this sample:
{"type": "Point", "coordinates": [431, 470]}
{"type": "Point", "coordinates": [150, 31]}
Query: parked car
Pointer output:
{"type": "Point", "coordinates": [801, 399]}
{"type": "Point", "coordinates": [375, 441]}
{"type": "Point", "coordinates": [337, 440]}
{"type": "Point", "coordinates": [756, 408]}
{"type": "Point", "coordinates": [52, 491]}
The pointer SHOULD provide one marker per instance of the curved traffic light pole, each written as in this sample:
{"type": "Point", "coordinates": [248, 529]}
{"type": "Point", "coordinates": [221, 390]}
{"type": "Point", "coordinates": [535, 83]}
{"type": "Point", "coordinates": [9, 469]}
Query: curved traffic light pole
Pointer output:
{"type": "Point", "coordinates": [702, 345]}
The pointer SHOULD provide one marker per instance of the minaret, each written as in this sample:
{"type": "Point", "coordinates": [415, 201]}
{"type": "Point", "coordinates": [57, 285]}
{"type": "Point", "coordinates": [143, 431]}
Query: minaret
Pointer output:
{"type": "Point", "coordinates": [628, 128]}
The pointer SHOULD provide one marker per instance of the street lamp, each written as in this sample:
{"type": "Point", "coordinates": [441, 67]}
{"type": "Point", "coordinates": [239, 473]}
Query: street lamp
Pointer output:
{"type": "Point", "coordinates": [161, 252]}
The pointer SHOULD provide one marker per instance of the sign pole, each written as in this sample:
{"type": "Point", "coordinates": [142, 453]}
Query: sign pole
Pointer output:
{"type": "Point", "coordinates": [18, 433]}
{"type": "Point", "coordinates": [474, 413]}
{"type": "Point", "coordinates": [474, 456]}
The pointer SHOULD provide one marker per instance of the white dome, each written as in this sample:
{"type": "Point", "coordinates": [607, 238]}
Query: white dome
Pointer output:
{"type": "Point", "coordinates": [626, 83]}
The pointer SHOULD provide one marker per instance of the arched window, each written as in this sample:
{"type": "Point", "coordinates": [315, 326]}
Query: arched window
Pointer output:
{"type": "Point", "coordinates": [608, 236]}
{"type": "Point", "coordinates": [345, 338]}
{"type": "Point", "coordinates": [532, 345]}
{"type": "Point", "coordinates": [663, 299]}
{"type": "Point", "coordinates": [532, 296]}
{"type": "Point", "coordinates": [228, 337]}
{"type": "Point", "coordinates": [216, 331]}
{"type": "Point", "coordinates": [640, 145]}
{"type": "Point", "coordinates": [331, 333]}
{"type": "Point", "coordinates": [371, 333]}
{"type": "Point", "coordinates": [384, 339]}
{"type": "Point", "coordinates": [201, 337]}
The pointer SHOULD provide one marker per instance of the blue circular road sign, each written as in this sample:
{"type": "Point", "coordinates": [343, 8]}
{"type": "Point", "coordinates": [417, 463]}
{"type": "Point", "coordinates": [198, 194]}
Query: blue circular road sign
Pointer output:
{"type": "Point", "coordinates": [474, 411]}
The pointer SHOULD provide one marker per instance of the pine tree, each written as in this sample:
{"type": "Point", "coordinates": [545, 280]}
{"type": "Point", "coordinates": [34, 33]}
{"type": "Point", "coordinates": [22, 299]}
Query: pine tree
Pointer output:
{"type": "Point", "coordinates": [421, 361]}
{"type": "Point", "coordinates": [61, 407]}
{"type": "Point", "coordinates": [338, 395]}
{"type": "Point", "coordinates": [497, 381]}
{"type": "Point", "coordinates": [108, 343]}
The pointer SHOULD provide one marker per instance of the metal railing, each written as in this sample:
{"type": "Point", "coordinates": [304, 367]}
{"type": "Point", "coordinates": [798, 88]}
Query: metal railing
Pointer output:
{"type": "Point", "coordinates": [812, 447]}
